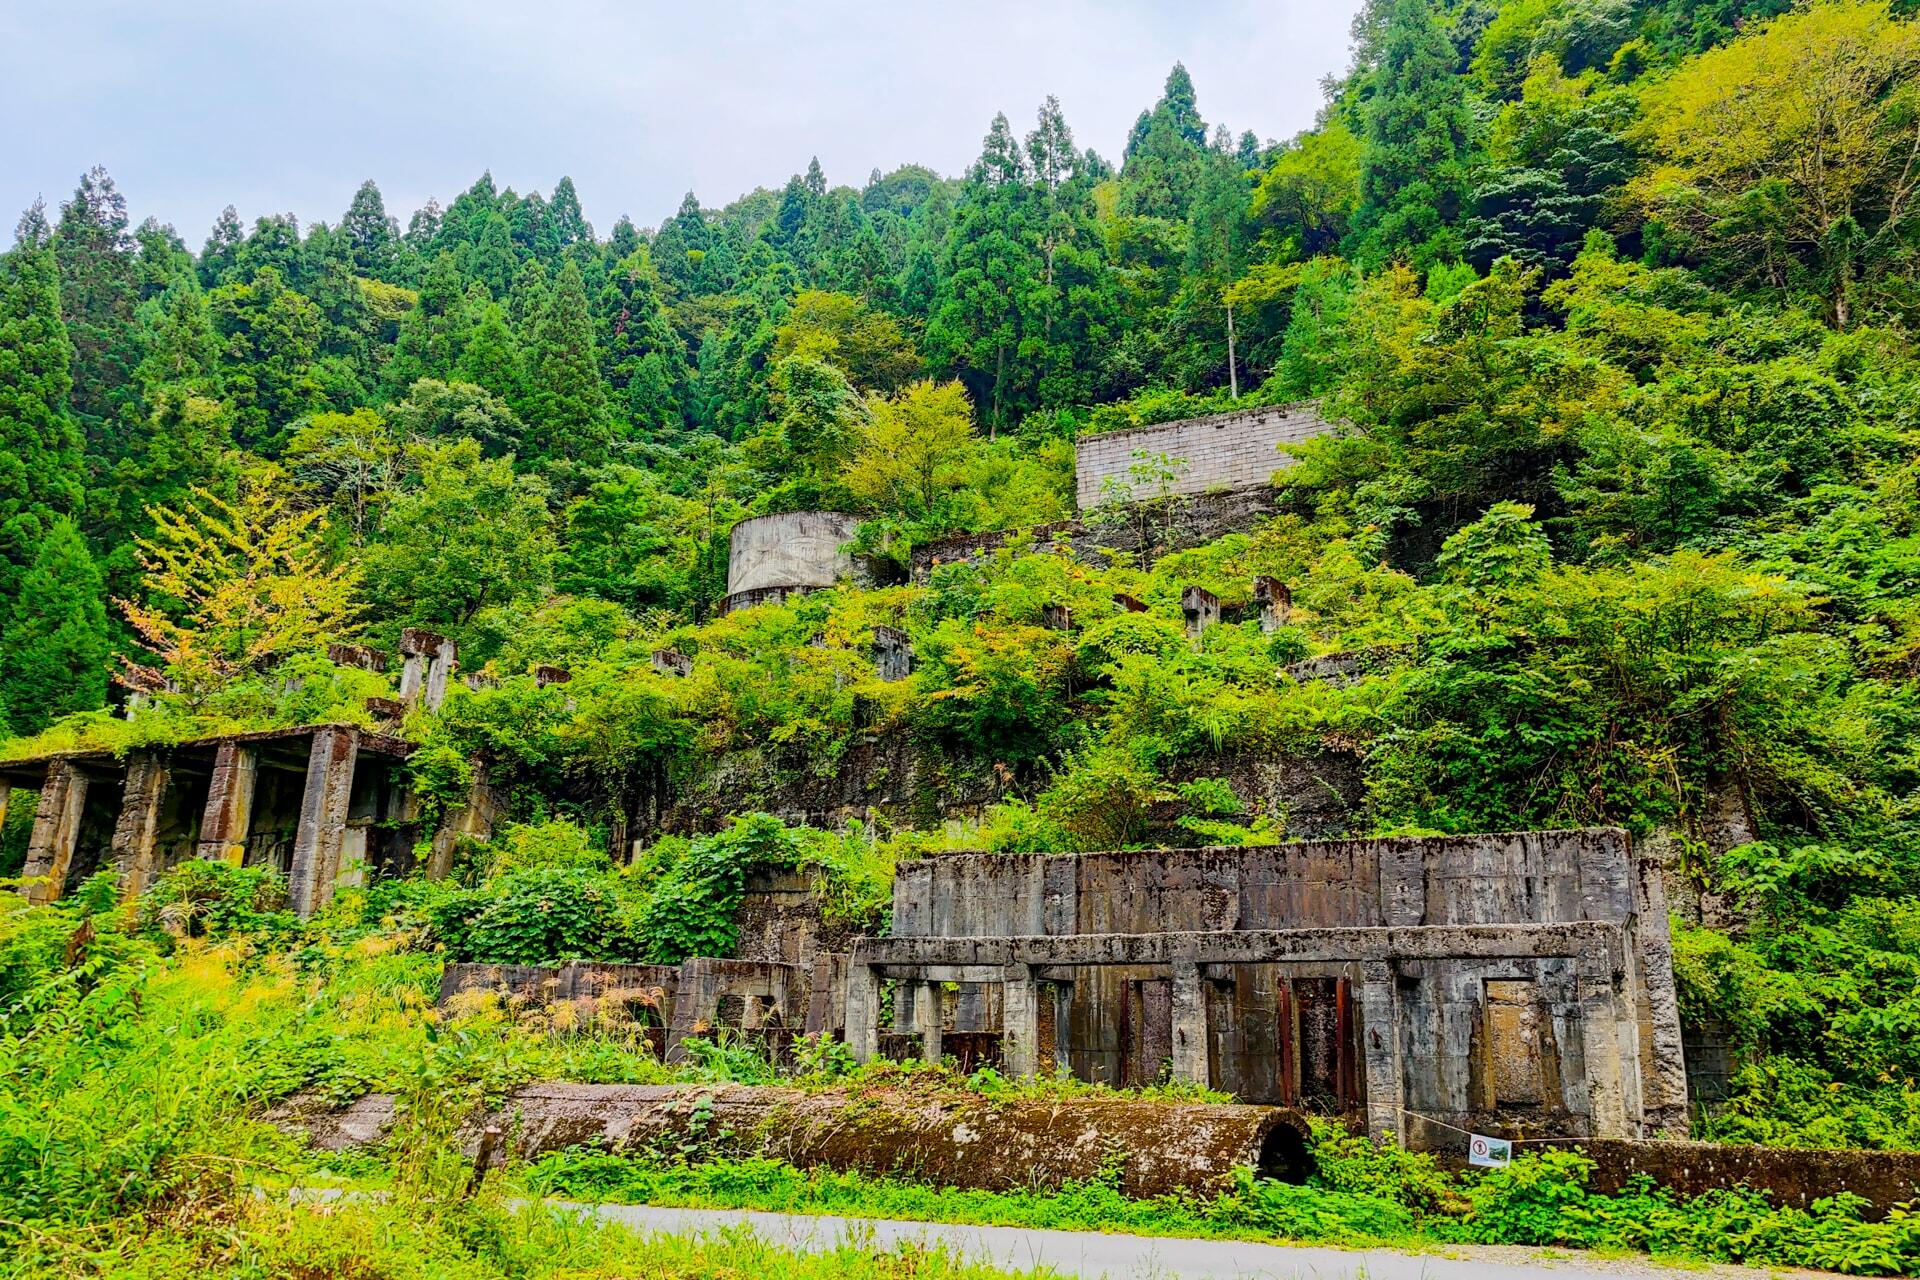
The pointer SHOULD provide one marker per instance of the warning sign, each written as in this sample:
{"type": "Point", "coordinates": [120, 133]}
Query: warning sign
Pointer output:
{"type": "Point", "coordinates": [1492, 1153]}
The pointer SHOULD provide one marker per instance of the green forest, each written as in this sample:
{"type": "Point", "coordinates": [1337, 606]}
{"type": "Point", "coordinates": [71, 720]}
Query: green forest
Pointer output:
{"type": "Point", "coordinates": [1615, 304]}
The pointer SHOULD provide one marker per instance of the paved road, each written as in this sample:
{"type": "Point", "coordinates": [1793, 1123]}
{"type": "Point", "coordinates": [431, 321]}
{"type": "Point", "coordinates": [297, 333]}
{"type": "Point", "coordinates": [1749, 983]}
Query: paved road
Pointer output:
{"type": "Point", "coordinates": [1117, 1257]}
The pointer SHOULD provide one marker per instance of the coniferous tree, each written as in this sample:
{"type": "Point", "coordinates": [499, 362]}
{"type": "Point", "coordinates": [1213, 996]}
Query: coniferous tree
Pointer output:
{"type": "Point", "coordinates": [97, 296]}
{"type": "Point", "coordinates": [41, 473]}
{"type": "Point", "coordinates": [492, 357]}
{"type": "Point", "coordinates": [221, 252]}
{"type": "Point", "coordinates": [370, 233]}
{"type": "Point", "coordinates": [53, 643]}
{"type": "Point", "coordinates": [566, 401]}
{"type": "Point", "coordinates": [643, 361]}
{"type": "Point", "coordinates": [566, 225]}
{"type": "Point", "coordinates": [434, 333]}
{"type": "Point", "coordinates": [1413, 179]}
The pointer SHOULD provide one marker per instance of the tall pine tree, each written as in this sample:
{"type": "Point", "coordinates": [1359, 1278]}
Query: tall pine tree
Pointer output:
{"type": "Point", "coordinates": [98, 291]}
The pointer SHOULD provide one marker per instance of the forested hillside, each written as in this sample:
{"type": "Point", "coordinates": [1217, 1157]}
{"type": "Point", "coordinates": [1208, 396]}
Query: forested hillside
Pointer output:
{"type": "Point", "coordinates": [1615, 300]}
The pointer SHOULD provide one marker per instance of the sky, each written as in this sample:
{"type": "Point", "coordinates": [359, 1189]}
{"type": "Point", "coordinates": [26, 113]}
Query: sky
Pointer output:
{"type": "Point", "coordinates": [276, 107]}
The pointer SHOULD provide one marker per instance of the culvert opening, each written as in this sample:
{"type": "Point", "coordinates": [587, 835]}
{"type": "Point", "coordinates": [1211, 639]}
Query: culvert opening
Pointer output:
{"type": "Point", "coordinates": [1284, 1156]}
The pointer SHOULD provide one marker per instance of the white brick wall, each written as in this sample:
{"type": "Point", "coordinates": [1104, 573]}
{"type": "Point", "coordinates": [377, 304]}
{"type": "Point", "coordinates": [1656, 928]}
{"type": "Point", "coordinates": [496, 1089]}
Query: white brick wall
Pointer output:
{"type": "Point", "coordinates": [1229, 451]}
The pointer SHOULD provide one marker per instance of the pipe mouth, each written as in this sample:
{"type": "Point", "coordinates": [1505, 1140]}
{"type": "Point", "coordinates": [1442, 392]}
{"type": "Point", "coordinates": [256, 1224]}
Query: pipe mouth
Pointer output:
{"type": "Point", "coordinates": [1284, 1155]}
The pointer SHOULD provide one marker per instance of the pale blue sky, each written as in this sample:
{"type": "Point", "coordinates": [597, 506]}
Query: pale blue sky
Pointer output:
{"type": "Point", "coordinates": [195, 104]}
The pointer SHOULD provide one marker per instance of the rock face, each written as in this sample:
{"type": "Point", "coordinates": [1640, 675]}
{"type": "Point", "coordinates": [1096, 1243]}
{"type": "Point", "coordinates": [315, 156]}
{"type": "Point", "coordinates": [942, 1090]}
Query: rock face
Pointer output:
{"type": "Point", "coordinates": [953, 1140]}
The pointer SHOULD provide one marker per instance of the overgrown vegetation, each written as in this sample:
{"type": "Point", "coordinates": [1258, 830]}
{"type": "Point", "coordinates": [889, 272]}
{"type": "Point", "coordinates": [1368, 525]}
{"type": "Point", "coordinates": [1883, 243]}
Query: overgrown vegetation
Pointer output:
{"type": "Point", "coordinates": [1615, 303]}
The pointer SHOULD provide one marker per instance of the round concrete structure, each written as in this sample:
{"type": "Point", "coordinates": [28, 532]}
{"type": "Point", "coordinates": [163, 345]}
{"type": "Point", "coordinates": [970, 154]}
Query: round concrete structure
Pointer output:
{"type": "Point", "coordinates": [772, 557]}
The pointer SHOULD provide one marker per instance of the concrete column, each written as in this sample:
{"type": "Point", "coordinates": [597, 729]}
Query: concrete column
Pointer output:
{"type": "Point", "coordinates": [1662, 1060]}
{"type": "Point", "coordinates": [145, 791]}
{"type": "Point", "coordinates": [323, 818]}
{"type": "Point", "coordinates": [928, 1021]}
{"type": "Point", "coordinates": [1600, 1037]}
{"type": "Point", "coordinates": [1020, 1023]}
{"type": "Point", "coordinates": [229, 812]}
{"type": "Point", "coordinates": [474, 817]}
{"type": "Point", "coordinates": [56, 829]}
{"type": "Point", "coordinates": [863, 1011]}
{"type": "Point", "coordinates": [1275, 602]}
{"type": "Point", "coordinates": [1189, 1024]}
{"type": "Point", "coordinates": [6, 793]}
{"type": "Point", "coordinates": [440, 664]}
{"type": "Point", "coordinates": [1380, 1026]}
{"type": "Point", "coordinates": [1201, 608]}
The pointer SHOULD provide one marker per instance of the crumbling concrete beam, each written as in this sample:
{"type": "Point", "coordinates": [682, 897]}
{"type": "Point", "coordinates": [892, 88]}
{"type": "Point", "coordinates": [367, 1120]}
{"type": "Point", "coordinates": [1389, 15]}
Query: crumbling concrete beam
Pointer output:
{"type": "Point", "coordinates": [356, 655]}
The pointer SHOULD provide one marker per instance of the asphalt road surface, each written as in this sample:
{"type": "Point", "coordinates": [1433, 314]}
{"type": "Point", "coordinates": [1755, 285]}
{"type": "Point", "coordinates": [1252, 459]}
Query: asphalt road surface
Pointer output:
{"type": "Point", "coordinates": [1124, 1257]}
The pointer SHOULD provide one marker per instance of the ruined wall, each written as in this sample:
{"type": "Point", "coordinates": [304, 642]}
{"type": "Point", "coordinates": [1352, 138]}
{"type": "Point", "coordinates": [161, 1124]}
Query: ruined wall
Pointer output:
{"type": "Point", "coordinates": [1477, 1012]}
{"type": "Point", "coordinates": [770, 556]}
{"type": "Point", "coordinates": [1156, 530]}
{"type": "Point", "coordinates": [1521, 877]}
{"type": "Point", "coordinates": [1227, 451]}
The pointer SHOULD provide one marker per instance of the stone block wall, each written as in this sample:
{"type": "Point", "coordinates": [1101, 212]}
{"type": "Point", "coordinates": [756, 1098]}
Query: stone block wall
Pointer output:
{"type": "Point", "coordinates": [1227, 451]}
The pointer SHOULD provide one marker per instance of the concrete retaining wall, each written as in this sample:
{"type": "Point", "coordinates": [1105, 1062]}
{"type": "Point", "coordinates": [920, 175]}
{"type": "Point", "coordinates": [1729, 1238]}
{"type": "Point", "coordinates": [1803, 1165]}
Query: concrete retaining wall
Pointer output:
{"type": "Point", "coordinates": [1227, 451]}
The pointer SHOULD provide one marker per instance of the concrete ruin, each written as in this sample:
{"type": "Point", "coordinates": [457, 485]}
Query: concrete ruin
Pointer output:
{"type": "Point", "coordinates": [1225, 451]}
{"type": "Point", "coordinates": [324, 805]}
{"type": "Point", "coordinates": [1515, 984]}
{"type": "Point", "coordinates": [1512, 984]}
{"type": "Point", "coordinates": [770, 558]}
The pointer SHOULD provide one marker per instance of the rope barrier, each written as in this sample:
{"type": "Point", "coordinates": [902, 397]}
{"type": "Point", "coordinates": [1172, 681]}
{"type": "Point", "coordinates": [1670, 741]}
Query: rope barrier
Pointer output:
{"type": "Point", "coordinates": [1435, 1120]}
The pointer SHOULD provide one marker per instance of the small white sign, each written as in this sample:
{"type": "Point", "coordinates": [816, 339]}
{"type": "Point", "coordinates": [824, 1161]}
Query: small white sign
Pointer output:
{"type": "Point", "coordinates": [1491, 1153]}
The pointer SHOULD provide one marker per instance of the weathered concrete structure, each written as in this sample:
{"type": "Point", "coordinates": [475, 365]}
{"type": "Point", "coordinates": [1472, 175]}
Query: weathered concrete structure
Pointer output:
{"type": "Point", "coordinates": [319, 804]}
{"type": "Point", "coordinates": [772, 557]}
{"type": "Point", "coordinates": [1512, 984]}
{"type": "Point", "coordinates": [1226, 451]}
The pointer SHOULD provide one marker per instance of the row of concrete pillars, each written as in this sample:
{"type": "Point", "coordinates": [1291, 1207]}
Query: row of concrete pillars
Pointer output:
{"type": "Point", "coordinates": [1199, 606]}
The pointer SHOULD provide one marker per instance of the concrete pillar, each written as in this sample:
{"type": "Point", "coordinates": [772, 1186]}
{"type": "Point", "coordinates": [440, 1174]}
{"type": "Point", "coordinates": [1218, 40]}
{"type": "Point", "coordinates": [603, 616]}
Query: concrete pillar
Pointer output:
{"type": "Point", "coordinates": [1056, 617]}
{"type": "Point", "coordinates": [323, 818]}
{"type": "Point", "coordinates": [863, 1011]}
{"type": "Point", "coordinates": [427, 659]}
{"type": "Point", "coordinates": [1190, 1057]}
{"type": "Point", "coordinates": [229, 813]}
{"type": "Point", "coordinates": [1020, 1023]}
{"type": "Point", "coordinates": [6, 793]}
{"type": "Point", "coordinates": [1201, 608]}
{"type": "Point", "coordinates": [1600, 1037]}
{"type": "Point", "coordinates": [544, 676]}
{"type": "Point", "coordinates": [56, 830]}
{"type": "Point", "coordinates": [1274, 601]}
{"type": "Point", "coordinates": [1380, 1027]}
{"type": "Point", "coordinates": [892, 653]}
{"type": "Point", "coordinates": [928, 1021]}
{"type": "Point", "coordinates": [671, 662]}
{"type": "Point", "coordinates": [474, 817]}
{"type": "Point", "coordinates": [1662, 1060]}
{"type": "Point", "coordinates": [134, 834]}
